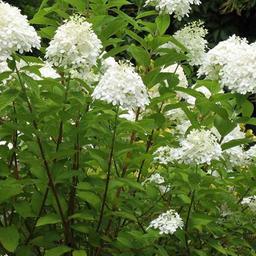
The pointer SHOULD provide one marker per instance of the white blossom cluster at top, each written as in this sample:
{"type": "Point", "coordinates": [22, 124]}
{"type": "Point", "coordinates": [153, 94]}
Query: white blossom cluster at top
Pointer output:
{"type": "Point", "coordinates": [233, 62]}
{"type": "Point", "coordinates": [179, 8]}
{"type": "Point", "coordinates": [15, 32]}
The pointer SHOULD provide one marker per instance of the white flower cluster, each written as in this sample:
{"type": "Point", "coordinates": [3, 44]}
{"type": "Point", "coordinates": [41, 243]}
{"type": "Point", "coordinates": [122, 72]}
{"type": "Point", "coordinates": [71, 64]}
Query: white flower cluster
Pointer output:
{"type": "Point", "coordinates": [250, 202]}
{"type": "Point", "coordinates": [199, 147]}
{"type": "Point", "coordinates": [121, 85]}
{"type": "Point", "coordinates": [167, 222]}
{"type": "Point", "coordinates": [74, 45]}
{"type": "Point", "coordinates": [179, 8]}
{"type": "Point", "coordinates": [192, 36]}
{"type": "Point", "coordinates": [233, 61]}
{"type": "Point", "coordinates": [15, 32]}
{"type": "Point", "coordinates": [159, 181]}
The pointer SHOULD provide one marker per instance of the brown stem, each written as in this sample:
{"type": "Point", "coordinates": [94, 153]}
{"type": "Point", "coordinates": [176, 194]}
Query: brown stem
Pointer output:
{"type": "Point", "coordinates": [72, 193]}
{"type": "Point", "coordinates": [149, 144]}
{"type": "Point", "coordinates": [45, 162]}
{"type": "Point", "coordinates": [14, 142]}
{"type": "Point", "coordinates": [108, 173]}
{"type": "Point", "coordinates": [186, 223]}
{"type": "Point", "coordinates": [31, 231]}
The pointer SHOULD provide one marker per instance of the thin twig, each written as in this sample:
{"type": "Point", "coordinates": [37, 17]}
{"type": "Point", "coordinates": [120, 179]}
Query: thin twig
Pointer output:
{"type": "Point", "coordinates": [108, 173]}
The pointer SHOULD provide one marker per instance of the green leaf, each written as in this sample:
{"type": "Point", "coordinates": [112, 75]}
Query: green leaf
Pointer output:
{"type": "Point", "coordinates": [217, 246]}
{"type": "Point", "coordinates": [234, 143]}
{"type": "Point", "coordinates": [146, 14]}
{"type": "Point", "coordinates": [89, 197]}
{"type": "Point", "coordinates": [171, 57]}
{"type": "Point", "coordinates": [113, 27]}
{"type": "Point", "coordinates": [9, 238]}
{"type": "Point", "coordinates": [79, 4]}
{"type": "Point", "coordinates": [162, 23]}
{"type": "Point", "coordinates": [224, 126]}
{"type": "Point", "coordinates": [140, 55]}
{"type": "Point", "coordinates": [7, 97]}
{"type": "Point", "coordinates": [9, 189]}
{"type": "Point", "coordinates": [116, 51]}
{"type": "Point", "coordinates": [24, 209]}
{"type": "Point", "coordinates": [48, 219]}
{"type": "Point", "coordinates": [137, 38]}
{"type": "Point", "coordinates": [200, 220]}
{"type": "Point", "coordinates": [79, 253]}
{"type": "Point", "coordinates": [125, 215]}
{"type": "Point", "coordinates": [57, 251]}
{"type": "Point", "coordinates": [247, 108]}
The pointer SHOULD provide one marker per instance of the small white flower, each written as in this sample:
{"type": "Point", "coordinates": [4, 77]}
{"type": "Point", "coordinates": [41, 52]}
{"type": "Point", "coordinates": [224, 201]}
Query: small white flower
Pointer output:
{"type": "Point", "coordinates": [159, 181]}
{"type": "Point", "coordinates": [251, 153]}
{"type": "Point", "coordinates": [121, 85]}
{"type": "Point", "coordinates": [250, 202]}
{"type": "Point", "coordinates": [213, 173]}
{"type": "Point", "coordinates": [179, 8]}
{"type": "Point", "coordinates": [166, 155]}
{"type": "Point", "coordinates": [15, 32]}
{"type": "Point", "coordinates": [4, 67]}
{"type": "Point", "coordinates": [167, 222]}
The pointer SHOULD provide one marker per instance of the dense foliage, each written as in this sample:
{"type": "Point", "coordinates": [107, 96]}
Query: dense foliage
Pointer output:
{"type": "Point", "coordinates": [122, 134]}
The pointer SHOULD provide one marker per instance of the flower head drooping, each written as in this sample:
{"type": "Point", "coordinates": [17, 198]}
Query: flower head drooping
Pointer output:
{"type": "Point", "coordinates": [167, 222]}
{"type": "Point", "coordinates": [250, 202]}
{"type": "Point", "coordinates": [199, 147]}
{"type": "Point", "coordinates": [74, 45]}
{"type": "Point", "coordinates": [179, 8]}
{"type": "Point", "coordinates": [15, 32]}
{"type": "Point", "coordinates": [233, 61]}
{"type": "Point", "coordinates": [121, 85]}
{"type": "Point", "coordinates": [192, 36]}
{"type": "Point", "coordinates": [159, 181]}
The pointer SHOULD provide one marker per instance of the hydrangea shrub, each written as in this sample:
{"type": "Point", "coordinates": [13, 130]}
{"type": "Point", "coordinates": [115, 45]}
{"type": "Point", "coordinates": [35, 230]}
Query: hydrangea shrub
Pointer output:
{"type": "Point", "coordinates": [119, 138]}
